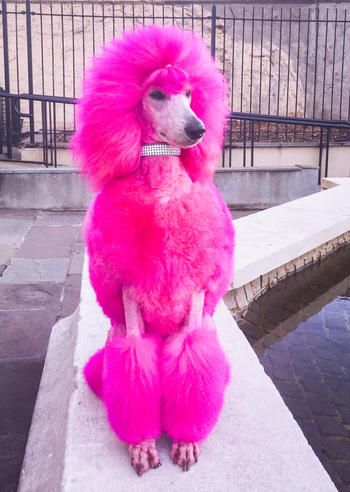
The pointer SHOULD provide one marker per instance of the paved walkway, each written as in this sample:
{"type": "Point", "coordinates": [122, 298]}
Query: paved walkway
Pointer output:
{"type": "Point", "coordinates": [41, 256]}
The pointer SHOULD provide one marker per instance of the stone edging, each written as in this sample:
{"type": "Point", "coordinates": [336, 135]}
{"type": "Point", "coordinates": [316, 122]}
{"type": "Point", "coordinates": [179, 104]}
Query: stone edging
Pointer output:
{"type": "Point", "coordinates": [238, 300]}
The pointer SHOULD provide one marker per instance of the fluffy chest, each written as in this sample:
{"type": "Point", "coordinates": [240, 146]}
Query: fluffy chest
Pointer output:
{"type": "Point", "coordinates": [172, 234]}
{"type": "Point", "coordinates": [162, 233]}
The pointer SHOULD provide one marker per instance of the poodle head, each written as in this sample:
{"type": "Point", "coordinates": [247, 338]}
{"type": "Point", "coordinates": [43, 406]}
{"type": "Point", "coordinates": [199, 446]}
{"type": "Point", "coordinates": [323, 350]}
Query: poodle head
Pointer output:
{"type": "Point", "coordinates": [166, 109]}
{"type": "Point", "coordinates": [156, 84]}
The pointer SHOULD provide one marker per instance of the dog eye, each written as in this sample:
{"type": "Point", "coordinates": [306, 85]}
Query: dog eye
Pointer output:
{"type": "Point", "coordinates": [157, 95]}
{"type": "Point", "coordinates": [188, 93]}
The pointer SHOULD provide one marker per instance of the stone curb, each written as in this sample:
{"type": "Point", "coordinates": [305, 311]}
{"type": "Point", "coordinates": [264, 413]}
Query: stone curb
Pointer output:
{"type": "Point", "coordinates": [43, 461]}
{"type": "Point", "coordinates": [320, 225]}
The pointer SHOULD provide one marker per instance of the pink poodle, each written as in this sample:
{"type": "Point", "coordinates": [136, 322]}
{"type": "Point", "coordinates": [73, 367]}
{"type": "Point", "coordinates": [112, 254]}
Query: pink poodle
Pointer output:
{"type": "Point", "coordinates": [159, 237]}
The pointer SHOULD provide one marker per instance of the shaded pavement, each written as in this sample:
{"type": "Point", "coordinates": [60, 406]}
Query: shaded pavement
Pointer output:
{"type": "Point", "coordinates": [41, 257]}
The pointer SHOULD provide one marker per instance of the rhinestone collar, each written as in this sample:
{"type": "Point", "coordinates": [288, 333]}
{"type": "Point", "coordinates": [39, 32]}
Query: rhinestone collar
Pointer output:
{"type": "Point", "coordinates": [159, 149]}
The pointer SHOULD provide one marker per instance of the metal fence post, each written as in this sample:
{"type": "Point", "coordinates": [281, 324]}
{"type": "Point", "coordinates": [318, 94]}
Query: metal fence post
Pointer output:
{"type": "Point", "coordinates": [30, 68]}
{"type": "Point", "coordinates": [213, 31]}
{"type": "Point", "coordinates": [320, 157]}
{"type": "Point", "coordinates": [7, 80]}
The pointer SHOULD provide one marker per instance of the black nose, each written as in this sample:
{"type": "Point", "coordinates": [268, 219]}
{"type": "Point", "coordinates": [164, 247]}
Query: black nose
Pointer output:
{"type": "Point", "coordinates": [195, 130]}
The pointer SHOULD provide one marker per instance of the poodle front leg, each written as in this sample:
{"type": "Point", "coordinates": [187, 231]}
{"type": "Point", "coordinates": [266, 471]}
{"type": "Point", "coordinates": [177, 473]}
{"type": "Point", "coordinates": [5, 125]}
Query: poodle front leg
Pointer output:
{"type": "Point", "coordinates": [194, 377]}
{"type": "Point", "coordinates": [131, 387]}
{"type": "Point", "coordinates": [194, 319]}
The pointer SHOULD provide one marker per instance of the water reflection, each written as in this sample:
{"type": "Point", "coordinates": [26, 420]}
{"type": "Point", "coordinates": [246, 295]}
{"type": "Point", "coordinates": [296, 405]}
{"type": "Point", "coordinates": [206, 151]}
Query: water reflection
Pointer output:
{"type": "Point", "coordinates": [301, 332]}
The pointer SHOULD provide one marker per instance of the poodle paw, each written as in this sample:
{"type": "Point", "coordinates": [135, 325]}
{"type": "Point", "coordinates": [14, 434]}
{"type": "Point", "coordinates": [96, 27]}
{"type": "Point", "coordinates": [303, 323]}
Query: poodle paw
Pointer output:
{"type": "Point", "coordinates": [144, 456]}
{"type": "Point", "coordinates": [184, 454]}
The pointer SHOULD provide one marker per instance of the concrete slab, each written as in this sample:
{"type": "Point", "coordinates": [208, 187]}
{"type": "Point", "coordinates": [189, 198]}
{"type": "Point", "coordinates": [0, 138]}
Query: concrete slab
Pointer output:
{"type": "Point", "coordinates": [50, 189]}
{"type": "Point", "coordinates": [76, 262]}
{"type": "Point", "coordinates": [12, 213]}
{"type": "Point", "coordinates": [25, 333]}
{"type": "Point", "coordinates": [273, 237]}
{"type": "Point", "coordinates": [48, 242]}
{"type": "Point", "coordinates": [13, 230]}
{"type": "Point", "coordinates": [261, 187]}
{"type": "Point", "coordinates": [23, 270]}
{"type": "Point", "coordinates": [6, 253]}
{"type": "Point", "coordinates": [256, 446]}
{"type": "Point", "coordinates": [11, 445]}
{"type": "Point", "coordinates": [332, 182]}
{"type": "Point", "coordinates": [335, 201]}
{"type": "Point", "coordinates": [47, 217]}
{"type": "Point", "coordinates": [30, 296]}
{"type": "Point", "coordinates": [19, 382]}
{"type": "Point", "coordinates": [71, 295]}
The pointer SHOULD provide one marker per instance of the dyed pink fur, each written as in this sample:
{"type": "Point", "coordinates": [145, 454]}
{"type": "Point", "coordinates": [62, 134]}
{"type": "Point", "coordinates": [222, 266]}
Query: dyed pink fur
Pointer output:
{"type": "Point", "coordinates": [195, 365]}
{"type": "Point", "coordinates": [157, 225]}
{"type": "Point", "coordinates": [93, 372]}
{"type": "Point", "coordinates": [131, 387]}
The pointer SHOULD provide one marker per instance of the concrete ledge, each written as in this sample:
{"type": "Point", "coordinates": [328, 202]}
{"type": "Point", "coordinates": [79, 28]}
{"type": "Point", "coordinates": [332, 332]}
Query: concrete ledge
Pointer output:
{"type": "Point", "coordinates": [282, 240]}
{"type": "Point", "coordinates": [59, 189]}
{"type": "Point", "coordinates": [43, 462]}
{"type": "Point", "coordinates": [63, 188]}
{"type": "Point", "coordinates": [263, 187]}
{"type": "Point", "coordinates": [332, 182]}
{"type": "Point", "coordinates": [257, 445]}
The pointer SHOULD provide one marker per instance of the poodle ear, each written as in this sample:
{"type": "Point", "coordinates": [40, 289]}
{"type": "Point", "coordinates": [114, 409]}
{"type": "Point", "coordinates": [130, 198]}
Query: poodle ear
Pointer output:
{"type": "Point", "coordinates": [209, 95]}
{"type": "Point", "coordinates": [107, 142]}
{"type": "Point", "coordinates": [208, 104]}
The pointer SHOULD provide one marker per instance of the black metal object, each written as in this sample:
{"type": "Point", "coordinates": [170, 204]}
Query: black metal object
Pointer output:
{"type": "Point", "coordinates": [30, 67]}
{"type": "Point", "coordinates": [213, 31]}
{"type": "Point", "coordinates": [8, 136]}
{"type": "Point", "coordinates": [15, 128]}
{"type": "Point", "coordinates": [288, 62]}
{"type": "Point", "coordinates": [328, 132]}
{"type": "Point", "coordinates": [47, 138]}
{"type": "Point", "coordinates": [284, 61]}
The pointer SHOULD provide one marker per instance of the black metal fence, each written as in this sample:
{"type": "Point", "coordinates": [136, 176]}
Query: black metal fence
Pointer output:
{"type": "Point", "coordinates": [282, 61]}
{"type": "Point", "coordinates": [289, 62]}
{"type": "Point", "coordinates": [47, 141]}
{"type": "Point", "coordinates": [322, 133]}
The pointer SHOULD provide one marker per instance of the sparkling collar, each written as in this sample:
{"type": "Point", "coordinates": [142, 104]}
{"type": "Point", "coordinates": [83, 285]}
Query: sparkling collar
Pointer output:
{"type": "Point", "coordinates": [159, 149]}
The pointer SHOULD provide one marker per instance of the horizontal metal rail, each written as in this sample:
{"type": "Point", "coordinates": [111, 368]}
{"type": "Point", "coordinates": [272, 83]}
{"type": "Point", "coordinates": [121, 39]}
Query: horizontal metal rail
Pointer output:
{"type": "Point", "coordinates": [40, 97]}
{"type": "Point", "coordinates": [291, 120]}
{"type": "Point", "coordinates": [44, 133]}
{"type": "Point", "coordinates": [326, 127]}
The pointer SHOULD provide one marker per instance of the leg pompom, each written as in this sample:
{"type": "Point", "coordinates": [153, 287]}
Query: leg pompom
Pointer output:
{"type": "Point", "coordinates": [93, 372]}
{"type": "Point", "coordinates": [131, 387]}
{"type": "Point", "coordinates": [194, 373]}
